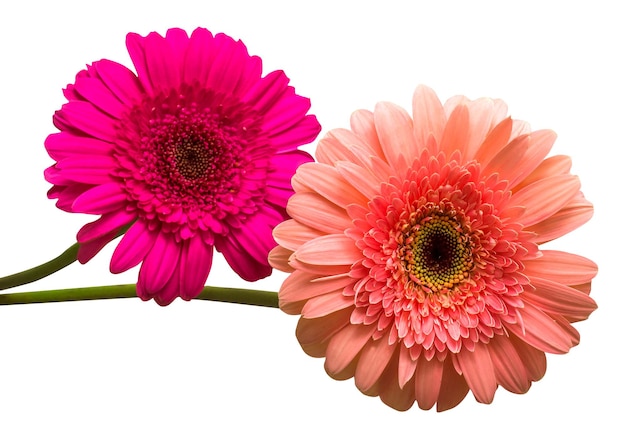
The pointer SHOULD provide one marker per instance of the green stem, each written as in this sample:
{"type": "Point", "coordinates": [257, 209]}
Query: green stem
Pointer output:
{"type": "Point", "coordinates": [223, 294]}
{"type": "Point", "coordinates": [38, 272]}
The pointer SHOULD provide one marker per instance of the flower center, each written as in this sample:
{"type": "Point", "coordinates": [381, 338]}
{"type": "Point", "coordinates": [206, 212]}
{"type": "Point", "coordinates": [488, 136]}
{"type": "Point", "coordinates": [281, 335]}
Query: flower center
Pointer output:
{"type": "Point", "coordinates": [191, 159]}
{"type": "Point", "coordinates": [438, 253]}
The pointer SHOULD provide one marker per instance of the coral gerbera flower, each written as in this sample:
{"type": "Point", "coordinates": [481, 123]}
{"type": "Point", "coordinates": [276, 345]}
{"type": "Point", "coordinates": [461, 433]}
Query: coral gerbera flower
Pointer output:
{"type": "Point", "coordinates": [414, 252]}
{"type": "Point", "coordinates": [196, 151]}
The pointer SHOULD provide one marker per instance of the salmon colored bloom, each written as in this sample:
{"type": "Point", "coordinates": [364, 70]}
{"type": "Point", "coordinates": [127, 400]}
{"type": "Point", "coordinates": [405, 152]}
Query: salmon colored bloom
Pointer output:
{"type": "Point", "coordinates": [414, 252]}
{"type": "Point", "coordinates": [195, 151]}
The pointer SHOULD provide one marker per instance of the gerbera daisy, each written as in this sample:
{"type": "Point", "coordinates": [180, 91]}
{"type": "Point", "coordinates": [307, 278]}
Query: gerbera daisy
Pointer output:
{"type": "Point", "coordinates": [195, 151]}
{"type": "Point", "coordinates": [414, 252]}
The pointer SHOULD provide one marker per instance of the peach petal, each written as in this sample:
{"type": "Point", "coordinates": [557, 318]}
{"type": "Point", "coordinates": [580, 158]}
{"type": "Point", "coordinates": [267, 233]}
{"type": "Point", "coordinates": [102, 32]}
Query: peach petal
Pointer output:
{"type": "Point", "coordinates": [278, 258]}
{"type": "Point", "coordinates": [362, 123]}
{"type": "Point", "coordinates": [317, 212]}
{"type": "Point", "coordinates": [541, 331]}
{"type": "Point", "coordinates": [534, 359]}
{"type": "Point", "coordinates": [360, 180]}
{"type": "Point", "coordinates": [326, 181]}
{"type": "Point", "coordinates": [553, 297]}
{"type": "Point", "coordinates": [456, 133]}
{"type": "Point", "coordinates": [399, 398]}
{"type": "Point", "coordinates": [545, 197]}
{"type": "Point", "coordinates": [331, 150]}
{"type": "Point", "coordinates": [508, 366]}
{"type": "Point", "coordinates": [428, 381]}
{"type": "Point", "coordinates": [506, 163]}
{"type": "Point", "coordinates": [322, 305]}
{"type": "Point", "coordinates": [331, 249]}
{"type": "Point", "coordinates": [453, 387]}
{"type": "Point", "coordinates": [571, 216]}
{"type": "Point", "coordinates": [561, 267]}
{"type": "Point", "coordinates": [302, 286]}
{"type": "Point", "coordinates": [316, 331]}
{"type": "Point", "coordinates": [345, 345]}
{"type": "Point", "coordinates": [497, 139]}
{"type": "Point", "coordinates": [478, 371]}
{"type": "Point", "coordinates": [395, 131]}
{"type": "Point", "coordinates": [540, 143]}
{"type": "Point", "coordinates": [551, 166]}
{"type": "Point", "coordinates": [292, 234]}
{"type": "Point", "coordinates": [429, 118]}
{"type": "Point", "coordinates": [481, 118]}
{"type": "Point", "coordinates": [406, 366]}
{"type": "Point", "coordinates": [375, 357]}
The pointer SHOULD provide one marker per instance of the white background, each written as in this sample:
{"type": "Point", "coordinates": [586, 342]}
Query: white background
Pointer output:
{"type": "Point", "coordinates": [129, 368]}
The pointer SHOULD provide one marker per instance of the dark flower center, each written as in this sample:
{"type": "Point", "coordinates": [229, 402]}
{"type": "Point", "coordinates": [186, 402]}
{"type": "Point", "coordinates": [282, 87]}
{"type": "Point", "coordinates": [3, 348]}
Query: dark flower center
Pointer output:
{"type": "Point", "coordinates": [191, 159]}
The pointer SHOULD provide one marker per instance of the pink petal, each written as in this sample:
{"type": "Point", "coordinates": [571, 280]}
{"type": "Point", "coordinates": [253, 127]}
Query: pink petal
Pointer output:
{"type": "Point", "coordinates": [94, 91]}
{"type": "Point", "coordinates": [88, 169]}
{"type": "Point", "coordinates": [198, 60]}
{"type": "Point", "coordinates": [63, 145]}
{"type": "Point", "coordinates": [136, 50]}
{"type": "Point", "coordinates": [133, 247]}
{"type": "Point", "coordinates": [88, 250]}
{"type": "Point", "coordinates": [244, 264]}
{"type": "Point", "coordinates": [106, 224]}
{"type": "Point", "coordinates": [120, 80]}
{"type": "Point", "coordinates": [160, 263]}
{"type": "Point", "coordinates": [195, 264]}
{"type": "Point", "coordinates": [86, 118]}
{"type": "Point", "coordinates": [101, 199]}
{"type": "Point", "coordinates": [162, 70]}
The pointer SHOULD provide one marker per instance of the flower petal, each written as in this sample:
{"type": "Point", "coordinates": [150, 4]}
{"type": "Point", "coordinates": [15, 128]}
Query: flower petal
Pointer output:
{"type": "Point", "coordinates": [478, 371]}
{"type": "Point", "coordinates": [561, 267]}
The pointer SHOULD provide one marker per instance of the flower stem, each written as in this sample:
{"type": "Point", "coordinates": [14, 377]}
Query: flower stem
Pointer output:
{"type": "Point", "coordinates": [38, 272]}
{"type": "Point", "coordinates": [223, 294]}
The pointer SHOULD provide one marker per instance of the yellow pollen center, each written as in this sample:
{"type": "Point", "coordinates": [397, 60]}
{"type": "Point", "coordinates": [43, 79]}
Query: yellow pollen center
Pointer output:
{"type": "Point", "coordinates": [436, 253]}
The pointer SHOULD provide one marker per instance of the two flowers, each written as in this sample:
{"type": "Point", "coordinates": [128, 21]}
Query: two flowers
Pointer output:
{"type": "Point", "coordinates": [412, 243]}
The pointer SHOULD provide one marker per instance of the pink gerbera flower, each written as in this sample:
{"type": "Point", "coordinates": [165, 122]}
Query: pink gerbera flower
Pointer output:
{"type": "Point", "coordinates": [414, 252]}
{"type": "Point", "coordinates": [196, 151]}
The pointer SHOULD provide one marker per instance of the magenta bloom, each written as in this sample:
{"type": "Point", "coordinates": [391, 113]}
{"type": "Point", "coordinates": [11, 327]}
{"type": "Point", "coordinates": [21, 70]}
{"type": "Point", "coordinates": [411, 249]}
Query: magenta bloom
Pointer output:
{"type": "Point", "coordinates": [195, 151]}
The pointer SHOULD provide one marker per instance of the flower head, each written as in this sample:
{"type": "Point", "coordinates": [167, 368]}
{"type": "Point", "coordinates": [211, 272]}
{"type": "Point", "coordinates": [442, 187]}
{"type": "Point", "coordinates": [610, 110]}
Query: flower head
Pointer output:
{"type": "Point", "coordinates": [195, 151]}
{"type": "Point", "coordinates": [414, 252]}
